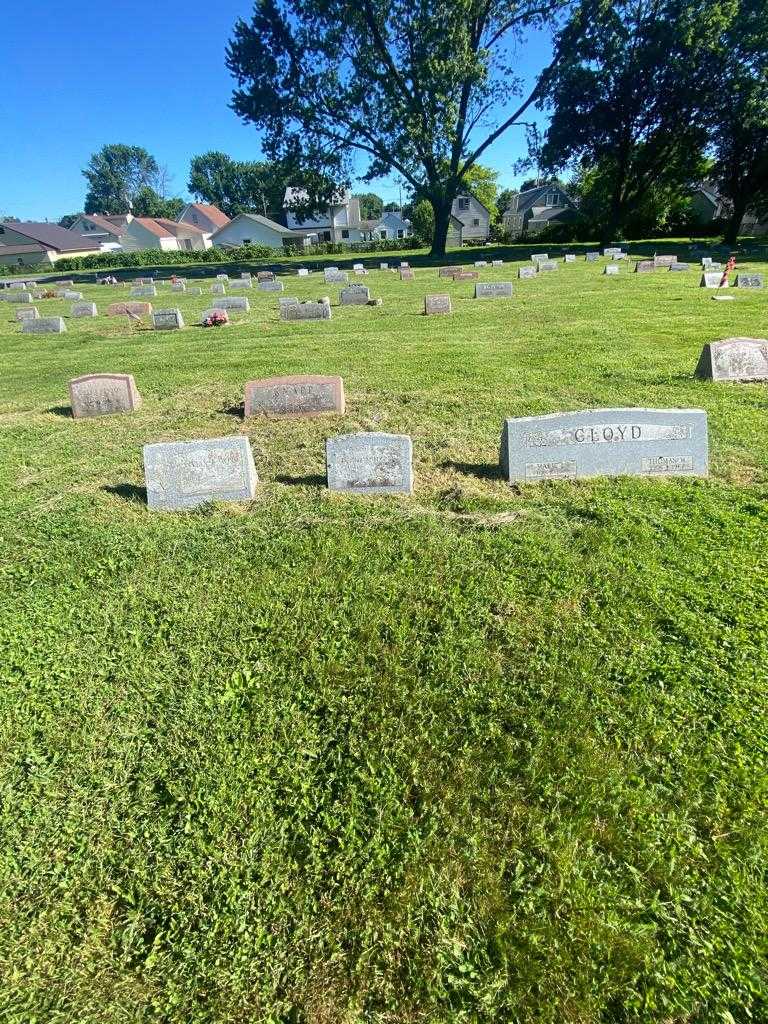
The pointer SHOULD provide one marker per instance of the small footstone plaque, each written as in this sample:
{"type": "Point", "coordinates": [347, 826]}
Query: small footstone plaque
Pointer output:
{"type": "Point", "coordinates": [233, 302]}
{"type": "Point", "coordinates": [611, 269]}
{"type": "Point", "coordinates": [605, 442]}
{"type": "Point", "coordinates": [219, 288]}
{"type": "Point", "coordinates": [44, 325]}
{"type": "Point", "coordinates": [546, 266]}
{"type": "Point", "coordinates": [591, 257]}
{"type": "Point", "coordinates": [370, 463]}
{"type": "Point", "coordinates": [354, 295]}
{"type": "Point", "coordinates": [101, 394]}
{"type": "Point", "coordinates": [306, 311]}
{"type": "Point", "coordinates": [84, 309]}
{"type": "Point", "coordinates": [144, 291]}
{"type": "Point", "coordinates": [134, 308]}
{"type": "Point", "coordinates": [712, 279]}
{"type": "Point", "coordinates": [336, 276]}
{"type": "Point", "coordinates": [570, 257]}
{"type": "Point", "coordinates": [524, 272]}
{"type": "Point", "coordinates": [185, 474]}
{"type": "Point", "coordinates": [679, 266]}
{"type": "Point", "coordinates": [493, 290]}
{"type": "Point", "coordinates": [27, 313]}
{"type": "Point", "coordinates": [242, 283]}
{"type": "Point", "coordinates": [265, 286]}
{"type": "Point", "coordinates": [406, 274]}
{"type": "Point", "coordinates": [167, 319]}
{"type": "Point", "coordinates": [300, 395]}
{"type": "Point", "coordinates": [737, 359]}
{"type": "Point", "coordinates": [749, 281]}
{"type": "Point", "coordinates": [435, 305]}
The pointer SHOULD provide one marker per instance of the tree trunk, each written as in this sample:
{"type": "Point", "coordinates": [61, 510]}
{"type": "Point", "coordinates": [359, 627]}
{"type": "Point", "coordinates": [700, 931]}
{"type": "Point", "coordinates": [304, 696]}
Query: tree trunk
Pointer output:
{"type": "Point", "coordinates": [731, 235]}
{"type": "Point", "coordinates": [442, 223]}
{"type": "Point", "coordinates": [612, 228]}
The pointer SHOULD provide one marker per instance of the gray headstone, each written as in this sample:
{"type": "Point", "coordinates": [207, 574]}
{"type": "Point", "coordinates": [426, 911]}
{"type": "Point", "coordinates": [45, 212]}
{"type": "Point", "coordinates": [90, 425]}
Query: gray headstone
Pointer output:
{"type": "Point", "coordinates": [72, 296]}
{"type": "Point", "coordinates": [664, 261]}
{"type": "Point", "coordinates": [222, 277]}
{"type": "Point", "coordinates": [679, 266]}
{"type": "Point", "coordinates": [219, 288]}
{"type": "Point", "coordinates": [140, 291]}
{"type": "Point", "coordinates": [590, 257]}
{"type": "Point", "coordinates": [245, 275]}
{"type": "Point", "coordinates": [297, 395]}
{"type": "Point", "coordinates": [645, 267]}
{"type": "Point", "coordinates": [493, 290]}
{"type": "Point", "coordinates": [749, 281]}
{"type": "Point", "coordinates": [18, 296]}
{"type": "Point", "coordinates": [481, 263]}
{"type": "Point", "coordinates": [546, 266]}
{"type": "Point", "coordinates": [715, 266]}
{"type": "Point", "coordinates": [570, 257]}
{"type": "Point", "coordinates": [265, 275]}
{"type": "Point", "coordinates": [618, 255]}
{"type": "Point", "coordinates": [354, 295]}
{"type": "Point", "coordinates": [605, 442]}
{"type": "Point", "coordinates": [265, 286]}
{"type": "Point", "coordinates": [306, 311]}
{"type": "Point", "coordinates": [167, 319]}
{"type": "Point", "coordinates": [233, 302]}
{"type": "Point", "coordinates": [383, 266]}
{"type": "Point", "coordinates": [706, 261]}
{"type": "Point", "coordinates": [611, 250]}
{"type": "Point", "coordinates": [27, 313]}
{"type": "Point", "coordinates": [437, 304]}
{"type": "Point", "coordinates": [446, 271]}
{"type": "Point", "coordinates": [80, 309]}
{"type": "Point", "coordinates": [194, 291]}
{"type": "Point", "coordinates": [736, 359]}
{"type": "Point", "coordinates": [101, 394]}
{"type": "Point", "coordinates": [406, 274]}
{"type": "Point", "coordinates": [524, 272]}
{"type": "Point", "coordinates": [302, 272]}
{"type": "Point", "coordinates": [611, 269]}
{"type": "Point", "coordinates": [712, 279]}
{"type": "Point", "coordinates": [358, 266]}
{"type": "Point", "coordinates": [243, 283]}
{"type": "Point", "coordinates": [538, 256]}
{"type": "Point", "coordinates": [17, 285]}
{"type": "Point", "coordinates": [370, 463]}
{"type": "Point", "coordinates": [335, 276]}
{"type": "Point", "coordinates": [44, 325]}
{"type": "Point", "coordinates": [185, 474]}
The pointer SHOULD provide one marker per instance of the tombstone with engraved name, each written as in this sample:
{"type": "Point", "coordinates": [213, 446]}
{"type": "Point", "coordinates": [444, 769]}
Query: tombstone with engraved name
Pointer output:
{"type": "Point", "coordinates": [610, 269]}
{"type": "Point", "coordinates": [664, 261]}
{"type": "Point", "coordinates": [493, 290]}
{"type": "Point", "coordinates": [82, 309]}
{"type": "Point", "coordinates": [304, 394]}
{"type": "Point", "coordinates": [712, 279]}
{"type": "Point", "coordinates": [546, 266]}
{"type": "Point", "coordinates": [264, 275]}
{"type": "Point", "coordinates": [406, 274]}
{"type": "Point", "coordinates": [536, 257]}
{"type": "Point", "coordinates": [130, 309]}
{"type": "Point", "coordinates": [266, 286]}
{"type": "Point", "coordinates": [27, 313]}
{"type": "Point", "coordinates": [618, 255]}
{"type": "Point", "coordinates": [20, 297]}
{"type": "Point", "coordinates": [605, 442]}
{"type": "Point", "coordinates": [237, 302]}
{"type": "Point", "coordinates": [44, 325]}
{"type": "Point", "coordinates": [354, 295]}
{"type": "Point", "coordinates": [524, 272]}
{"type": "Point", "coordinates": [734, 359]}
{"type": "Point", "coordinates": [167, 320]}
{"type": "Point", "coordinates": [370, 463]}
{"type": "Point", "coordinates": [679, 266]}
{"type": "Point", "coordinates": [446, 271]}
{"type": "Point", "coordinates": [569, 257]}
{"type": "Point", "coordinates": [591, 257]}
{"type": "Point", "coordinates": [749, 281]}
{"type": "Point", "coordinates": [186, 474]}
{"type": "Point", "coordinates": [645, 267]}
{"type": "Point", "coordinates": [147, 291]}
{"type": "Point", "coordinates": [306, 311]}
{"type": "Point", "coordinates": [437, 305]}
{"type": "Point", "coordinates": [102, 394]}
{"type": "Point", "coordinates": [335, 276]}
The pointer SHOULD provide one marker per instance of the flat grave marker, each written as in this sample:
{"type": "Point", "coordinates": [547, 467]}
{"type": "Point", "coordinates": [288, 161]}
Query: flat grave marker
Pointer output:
{"type": "Point", "coordinates": [186, 474]}
{"type": "Point", "coordinates": [370, 463]}
{"type": "Point", "coordinates": [103, 394]}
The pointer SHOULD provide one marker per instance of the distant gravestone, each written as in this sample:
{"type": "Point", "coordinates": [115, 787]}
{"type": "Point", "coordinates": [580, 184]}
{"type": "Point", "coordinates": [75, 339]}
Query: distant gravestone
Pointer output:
{"type": "Point", "coordinates": [546, 266]}
{"type": "Point", "coordinates": [27, 313]}
{"type": "Point", "coordinates": [302, 272]}
{"type": "Point", "coordinates": [130, 308]}
{"type": "Point", "coordinates": [715, 266]}
{"type": "Point", "coordinates": [664, 261]}
{"type": "Point", "coordinates": [335, 276]}
{"type": "Point", "coordinates": [144, 291]}
{"type": "Point", "coordinates": [265, 275]}
{"type": "Point", "coordinates": [437, 305]}
{"type": "Point", "coordinates": [493, 290]}
{"type": "Point", "coordinates": [749, 281]}
{"type": "Point", "coordinates": [299, 395]}
{"type": "Point", "coordinates": [618, 256]}
{"type": "Point", "coordinates": [481, 263]}
{"type": "Point", "coordinates": [102, 394]}
{"type": "Point", "coordinates": [17, 285]}
{"type": "Point", "coordinates": [570, 257]}
{"type": "Point", "coordinates": [605, 442]}
{"type": "Point", "coordinates": [406, 274]}
{"type": "Point", "coordinates": [361, 273]}
{"type": "Point", "coordinates": [706, 261]}
{"type": "Point", "coordinates": [537, 256]}
{"type": "Point", "coordinates": [591, 257]}
{"type": "Point", "coordinates": [194, 291]}
{"type": "Point", "coordinates": [233, 302]}
{"type": "Point", "coordinates": [611, 250]}
{"type": "Point", "coordinates": [645, 267]}
{"type": "Point", "coordinates": [306, 311]}
{"type": "Point", "coordinates": [497, 263]}
{"type": "Point", "coordinates": [186, 474]}
{"type": "Point", "coordinates": [734, 359]}
{"type": "Point", "coordinates": [354, 295]}
{"type": "Point", "coordinates": [373, 463]}
{"type": "Point", "coordinates": [611, 269]}
{"type": "Point", "coordinates": [219, 288]}
{"type": "Point", "coordinates": [286, 300]}
{"type": "Point", "coordinates": [405, 264]}
{"type": "Point", "coordinates": [466, 275]}
{"type": "Point", "coordinates": [446, 271]}
{"type": "Point", "coordinates": [358, 266]}
{"type": "Point", "coordinates": [167, 320]}
{"type": "Point", "coordinates": [44, 325]}
{"type": "Point", "coordinates": [72, 296]}
{"type": "Point", "coordinates": [245, 275]}
{"type": "Point", "coordinates": [383, 266]}
{"type": "Point", "coordinates": [243, 283]}
{"type": "Point", "coordinates": [266, 286]}
{"type": "Point", "coordinates": [222, 277]}
{"type": "Point", "coordinates": [679, 266]}
{"type": "Point", "coordinates": [20, 297]}
{"type": "Point", "coordinates": [178, 286]}
{"type": "Point", "coordinates": [81, 309]}
{"type": "Point", "coordinates": [524, 272]}
{"type": "Point", "coordinates": [712, 279]}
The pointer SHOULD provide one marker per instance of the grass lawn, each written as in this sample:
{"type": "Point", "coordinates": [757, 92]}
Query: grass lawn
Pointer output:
{"type": "Point", "coordinates": [480, 755]}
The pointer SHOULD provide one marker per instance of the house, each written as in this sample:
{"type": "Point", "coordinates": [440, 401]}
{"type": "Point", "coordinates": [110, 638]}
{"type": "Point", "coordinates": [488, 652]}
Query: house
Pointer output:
{"type": "Point", "coordinates": [28, 243]}
{"type": "Point", "coordinates": [253, 229]}
{"type": "Point", "coordinates": [538, 208]}
{"type": "Point", "coordinates": [707, 205]}
{"type": "Point", "coordinates": [389, 225]}
{"type": "Point", "coordinates": [160, 233]}
{"type": "Point", "coordinates": [338, 222]}
{"type": "Point", "coordinates": [99, 229]}
{"type": "Point", "coordinates": [475, 218]}
{"type": "Point", "coordinates": [202, 215]}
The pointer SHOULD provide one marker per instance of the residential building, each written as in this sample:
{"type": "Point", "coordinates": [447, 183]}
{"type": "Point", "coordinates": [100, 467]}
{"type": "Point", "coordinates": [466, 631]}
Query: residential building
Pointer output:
{"type": "Point", "coordinates": [160, 233]}
{"type": "Point", "coordinates": [99, 229]}
{"type": "Point", "coordinates": [538, 208]}
{"type": "Point", "coordinates": [389, 225]}
{"type": "Point", "coordinates": [338, 222]}
{"type": "Point", "coordinates": [707, 205]}
{"type": "Point", "coordinates": [475, 218]}
{"type": "Point", "coordinates": [253, 229]}
{"type": "Point", "coordinates": [202, 215]}
{"type": "Point", "coordinates": [29, 244]}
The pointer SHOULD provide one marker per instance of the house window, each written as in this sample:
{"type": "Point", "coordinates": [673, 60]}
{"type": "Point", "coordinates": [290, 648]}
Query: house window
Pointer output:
{"type": "Point", "coordinates": [2, 231]}
{"type": "Point", "coordinates": [383, 233]}
{"type": "Point", "coordinates": [345, 234]}
{"type": "Point", "coordinates": [550, 199]}
{"type": "Point", "coordinates": [400, 233]}
{"type": "Point", "coordinates": [326, 236]}
{"type": "Point", "coordinates": [194, 218]}
{"type": "Point", "coordinates": [476, 222]}
{"type": "Point", "coordinates": [463, 203]}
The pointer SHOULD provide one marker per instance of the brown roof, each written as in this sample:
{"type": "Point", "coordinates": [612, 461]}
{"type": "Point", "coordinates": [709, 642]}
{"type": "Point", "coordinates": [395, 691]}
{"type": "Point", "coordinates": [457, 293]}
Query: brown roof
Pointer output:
{"type": "Point", "coordinates": [104, 223]}
{"type": "Point", "coordinates": [213, 213]}
{"type": "Point", "coordinates": [174, 227]}
{"type": "Point", "coordinates": [153, 226]}
{"type": "Point", "coordinates": [50, 235]}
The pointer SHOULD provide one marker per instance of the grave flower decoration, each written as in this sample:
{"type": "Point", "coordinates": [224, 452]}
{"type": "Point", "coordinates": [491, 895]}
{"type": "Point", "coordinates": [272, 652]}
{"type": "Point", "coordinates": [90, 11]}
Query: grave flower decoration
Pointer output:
{"type": "Point", "coordinates": [217, 319]}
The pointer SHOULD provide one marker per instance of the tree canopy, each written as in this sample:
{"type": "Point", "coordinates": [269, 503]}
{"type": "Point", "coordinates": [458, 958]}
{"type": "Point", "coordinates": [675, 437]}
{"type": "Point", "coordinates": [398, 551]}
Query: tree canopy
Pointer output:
{"type": "Point", "coordinates": [420, 89]}
{"type": "Point", "coordinates": [238, 186]}
{"type": "Point", "coordinates": [371, 205]}
{"type": "Point", "coordinates": [116, 174]}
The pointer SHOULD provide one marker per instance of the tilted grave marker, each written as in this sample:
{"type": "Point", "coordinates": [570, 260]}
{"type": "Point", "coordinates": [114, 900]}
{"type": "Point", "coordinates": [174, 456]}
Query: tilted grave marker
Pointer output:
{"type": "Point", "coordinates": [305, 394]}
{"type": "Point", "coordinates": [734, 359]}
{"type": "Point", "coordinates": [186, 474]}
{"type": "Point", "coordinates": [103, 394]}
{"type": "Point", "coordinates": [374, 463]}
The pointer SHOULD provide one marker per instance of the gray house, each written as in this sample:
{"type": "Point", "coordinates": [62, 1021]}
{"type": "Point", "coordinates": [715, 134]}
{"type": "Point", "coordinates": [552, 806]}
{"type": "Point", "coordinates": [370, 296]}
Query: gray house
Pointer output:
{"type": "Point", "coordinates": [475, 218]}
{"type": "Point", "coordinates": [538, 208]}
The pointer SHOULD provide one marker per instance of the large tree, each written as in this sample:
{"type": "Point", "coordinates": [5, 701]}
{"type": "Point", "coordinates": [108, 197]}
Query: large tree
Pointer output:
{"type": "Point", "coordinates": [740, 119]}
{"type": "Point", "coordinates": [630, 96]}
{"type": "Point", "coordinates": [116, 174]}
{"type": "Point", "coordinates": [238, 186]}
{"type": "Point", "coordinates": [147, 203]}
{"type": "Point", "coordinates": [371, 205]}
{"type": "Point", "coordinates": [419, 88]}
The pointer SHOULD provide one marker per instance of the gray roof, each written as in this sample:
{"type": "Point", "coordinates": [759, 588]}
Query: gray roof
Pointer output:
{"type": "Point", "coordinates": [50, 235]}
{"type": "Point", "coordinates": [527, 199]}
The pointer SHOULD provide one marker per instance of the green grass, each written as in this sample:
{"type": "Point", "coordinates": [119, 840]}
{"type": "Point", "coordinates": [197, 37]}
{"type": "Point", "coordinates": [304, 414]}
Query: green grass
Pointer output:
{"type": "Point", "coordinates": [478, 755]}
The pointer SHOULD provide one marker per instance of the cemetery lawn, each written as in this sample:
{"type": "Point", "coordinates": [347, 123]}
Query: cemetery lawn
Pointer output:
{"type": "Point", "coordinates": [483, 754]}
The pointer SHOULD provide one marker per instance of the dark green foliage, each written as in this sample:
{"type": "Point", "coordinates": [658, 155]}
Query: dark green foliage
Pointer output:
{"type": "Point", "coordinates": [69, 219]}
{"type": "Point", "coordinates": [115, 175]}
{"type": "Point", "coordinates": [239, 186]}
{"type": "Point", "coordinates": [371, 205]}
{"type": "Point", "coordinates": [147, 203]}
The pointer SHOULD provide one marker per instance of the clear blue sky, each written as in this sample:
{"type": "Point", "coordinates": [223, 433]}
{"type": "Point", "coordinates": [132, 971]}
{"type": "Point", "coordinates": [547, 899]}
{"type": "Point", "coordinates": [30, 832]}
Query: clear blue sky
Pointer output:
{"type": "Point", "coordinates": [78, 75]}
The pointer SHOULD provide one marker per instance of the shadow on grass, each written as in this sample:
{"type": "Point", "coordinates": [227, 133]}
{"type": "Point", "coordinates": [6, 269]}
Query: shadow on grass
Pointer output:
{"type": "Point", "coordinates": [130, 492]}
{"type": "Point", "coordinates": [61, 410]}
{"type": "Point", "coordinates": [311, 480]}
{"type": "Point", "coordinates": [481, 470]}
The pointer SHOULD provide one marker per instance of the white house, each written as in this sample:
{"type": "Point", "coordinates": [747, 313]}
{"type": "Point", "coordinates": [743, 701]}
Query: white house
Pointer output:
{"type": "Point", "coordinates": [389, 225]}
{"type": "Point", "coordinates": [159, 233]}
{"type": "Point", "coordinates": [475, 218]}
{"type": "Point", "coordinates": [205, 216]}
{"type": "Point", "coordinates": [338, 222]}
{"type": "Point", "coordinates": [99, 229]}
{"type": "Point", "coordinates": [253, 229]}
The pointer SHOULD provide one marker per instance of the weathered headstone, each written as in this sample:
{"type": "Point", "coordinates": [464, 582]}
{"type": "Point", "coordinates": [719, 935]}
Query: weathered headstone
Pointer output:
{"type": "Point", "coordinates": [645, 267]}
{"type": "Point", "coordinates": [302, 272]}
{"type": "Point", "coordinates": [372, 463]}
{"type": "Point", "coordinates": [712, 279]}
{"type": "Point", "coordinates": [267, 286]}
{"type": "Point", "coordinates": [167, 319]}
{"type": "Point", "coordinates": [497, 263]}
{"type": "Point", "coordinates": [306, 311]}
{"type": "Point", "coordinates": [493, 290]}
{"type": "Point", "coordinates": [383, 266]}
{"type": "Point", "coordinates": [144, 291]}
{"type": "Point", "coordinates": [245, 283]}
{"type": "Point", "coordinates": [570, 257]}
{"type": "Point", "coordinates": [664, 261]}
{"type": "Point", "coordinates": [466, 275]}
{"type": "Point", "coordinates": [537, 256]}
{"type": "Point", "coordinates": [446, 271]}
{"type": "Point", "coordinates": [706, 261]}
{"type": "Point", "coordinates": [101, 394]}
{"type": "Point", "coordinates": [749, 281]}
{"type": "Point", "coordinates": [233, 302]}
{"type": "Point", "coordinates": [605, 442]}
{"type": "Point", "coordinates": [610, 269]}
{"type": "Point", "coordinates": [524, 272]}
{"type": "Point", "coordinates": [80, 309]}
{"type": "Point", "coordinates": [618, 255]}
{"type": "Point", "coordinates": [19, 297]}
{"type": "Point", "coordinates": [186, 474]}
{"type": "Point", "coordinates": [299, 395]}
{"type": "Point", "coordinates": [679, 266]}
{"type": "Point", "coordinates": [286, 300]}
{"type": "Point", "coordinates": [435, 305]}
{"type": "Point", "coordinates": [354, 295]}
{"type": "Point", "coordinates": [590, 257]}
{"type": "Point", "coordinates": [406, 274]}
{"type": "Point", "coordinates": [126, 308]}
{"type": "Point", "coordinates": [44, 325]}
{"type": "Point", "coordinates": [222, 277]}
{"type": "Point", "coordinates": [335, 276]}
{"type": "Point", "coordinates": [17, 286]}
{"type": "Point", "coordinates": [219, 288]}
{"type": "Point", "coordinates": [736, 359]}
{"type": "Point", "coordinates": [27, 313]}
{"type": "Point", "coordinates": [358, 266]}
{"type": "Point", "coordinates": [546, 266]}
{"type": "Point", "coordinates": [265, 275]}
